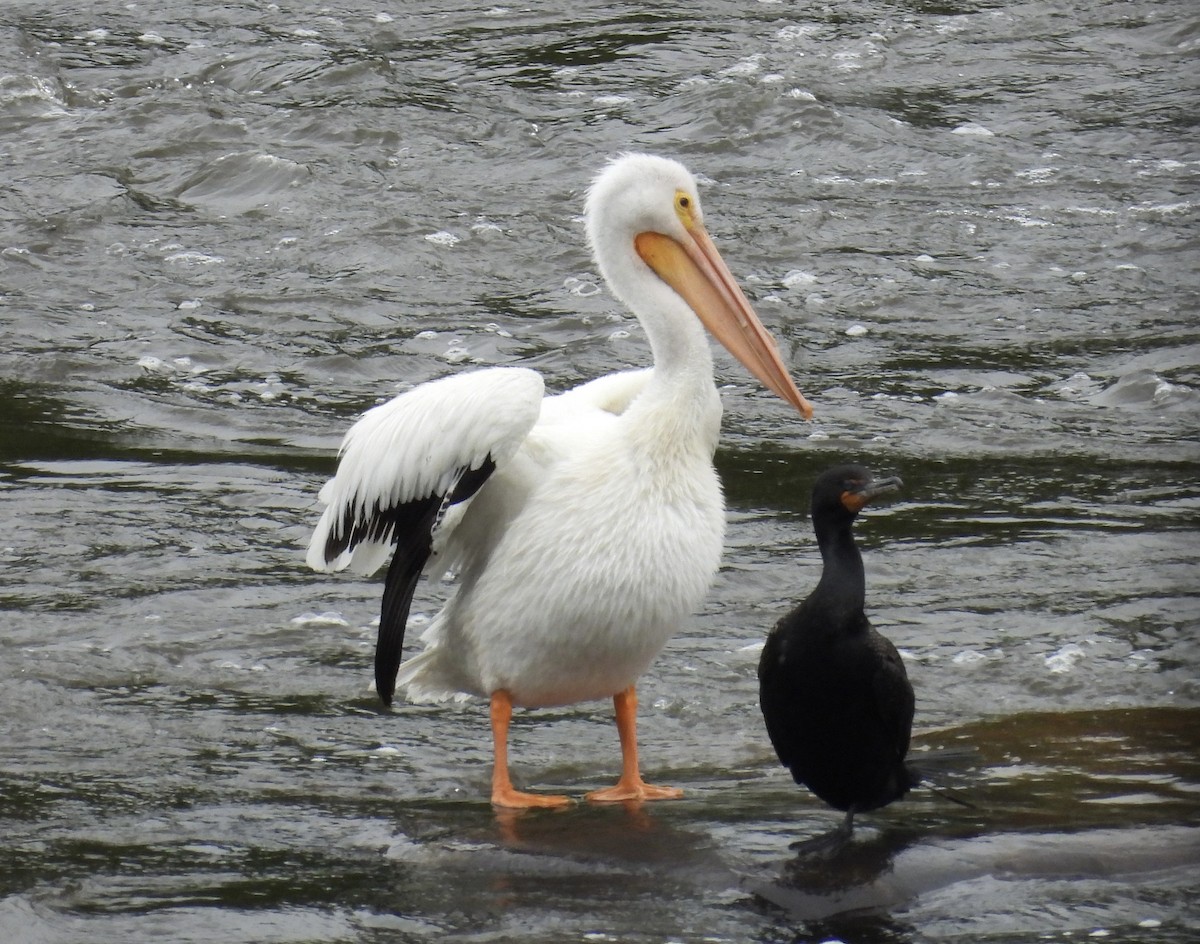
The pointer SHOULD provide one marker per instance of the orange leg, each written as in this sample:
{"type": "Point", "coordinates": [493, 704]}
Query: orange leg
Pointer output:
{"type": "Point", "coordinates": [503, 793]}
{"type": "Point", "coordinates": [631, 786]}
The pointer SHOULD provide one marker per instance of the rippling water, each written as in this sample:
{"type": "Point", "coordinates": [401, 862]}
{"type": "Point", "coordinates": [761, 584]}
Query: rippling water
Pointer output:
{"type": "Point", "coordinates": [227, 229]}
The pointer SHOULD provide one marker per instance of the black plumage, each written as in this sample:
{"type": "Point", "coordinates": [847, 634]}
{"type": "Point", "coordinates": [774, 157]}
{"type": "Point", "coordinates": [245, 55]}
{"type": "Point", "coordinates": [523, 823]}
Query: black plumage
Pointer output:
{"type": "Point", "coordinates": [410, 525]}
{"type": "Point", "coordinates": [836, 699]}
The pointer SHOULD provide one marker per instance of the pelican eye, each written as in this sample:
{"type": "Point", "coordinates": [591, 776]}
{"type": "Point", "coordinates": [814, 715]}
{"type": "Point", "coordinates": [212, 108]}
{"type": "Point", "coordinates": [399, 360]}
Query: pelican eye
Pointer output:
{"type": "Point", "coordinates": [683, 205]}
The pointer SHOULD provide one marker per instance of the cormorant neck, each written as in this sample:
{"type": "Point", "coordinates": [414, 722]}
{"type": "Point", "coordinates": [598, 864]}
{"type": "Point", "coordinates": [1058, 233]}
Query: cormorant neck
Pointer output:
{"type": "Point", "coordinates": [843, 581]}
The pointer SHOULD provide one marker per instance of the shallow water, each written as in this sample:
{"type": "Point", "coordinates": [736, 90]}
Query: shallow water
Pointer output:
{"type": "Point", "coordinates": [227, 229]}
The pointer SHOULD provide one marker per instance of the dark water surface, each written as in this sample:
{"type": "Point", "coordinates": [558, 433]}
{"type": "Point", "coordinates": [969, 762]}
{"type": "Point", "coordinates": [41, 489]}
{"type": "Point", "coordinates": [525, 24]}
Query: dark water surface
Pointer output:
{"type": "Point", "coordinates": [226, 229]}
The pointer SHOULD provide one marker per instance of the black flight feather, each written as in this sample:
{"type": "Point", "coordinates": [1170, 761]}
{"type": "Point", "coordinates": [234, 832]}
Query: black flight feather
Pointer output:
{"type": "Point", "coordinates": [411, 525]}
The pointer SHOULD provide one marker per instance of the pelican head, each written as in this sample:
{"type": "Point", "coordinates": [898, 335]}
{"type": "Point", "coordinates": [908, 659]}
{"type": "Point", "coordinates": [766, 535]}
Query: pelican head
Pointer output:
{"type": "Point", "coordinates": [645, 222]}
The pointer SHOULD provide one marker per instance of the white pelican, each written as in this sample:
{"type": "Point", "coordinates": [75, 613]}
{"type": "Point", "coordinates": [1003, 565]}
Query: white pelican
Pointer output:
{"type": "Point", "coordinates": [583, 527]}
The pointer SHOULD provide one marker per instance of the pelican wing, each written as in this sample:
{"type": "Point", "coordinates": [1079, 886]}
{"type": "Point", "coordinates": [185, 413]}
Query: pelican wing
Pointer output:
{"type": "Point", "coordinates": [611, 393]}
{"type": "Point", "coordinates": [434, 445]}
{"type": "Point", "coordinates": [403, 465]}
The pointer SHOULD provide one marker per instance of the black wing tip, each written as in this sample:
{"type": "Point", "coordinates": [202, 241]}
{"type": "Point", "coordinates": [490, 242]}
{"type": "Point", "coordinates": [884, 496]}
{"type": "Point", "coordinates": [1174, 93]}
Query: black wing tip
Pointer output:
{"type": "Point", "coordinates": [386, 667]}
{"type": "Point", "coordinates": [415, 522]}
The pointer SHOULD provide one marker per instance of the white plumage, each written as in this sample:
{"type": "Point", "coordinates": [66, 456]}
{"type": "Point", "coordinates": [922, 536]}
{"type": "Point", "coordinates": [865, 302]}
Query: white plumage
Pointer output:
{"type": "Point", "coordinates": [583, 527]}
{"type": "Point", "coordinates": [415, 445]}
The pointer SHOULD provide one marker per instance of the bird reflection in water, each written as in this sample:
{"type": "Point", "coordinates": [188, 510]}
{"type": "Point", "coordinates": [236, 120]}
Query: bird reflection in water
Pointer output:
{"type": "Point", "coordinates": [626, 831]}
{"type": "Point", "coordinates": [824, 879]}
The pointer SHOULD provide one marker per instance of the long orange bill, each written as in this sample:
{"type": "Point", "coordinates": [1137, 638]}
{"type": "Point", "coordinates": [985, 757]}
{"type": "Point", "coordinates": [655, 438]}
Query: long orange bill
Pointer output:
{"type": "Point", "coordinates": [697, 272]}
